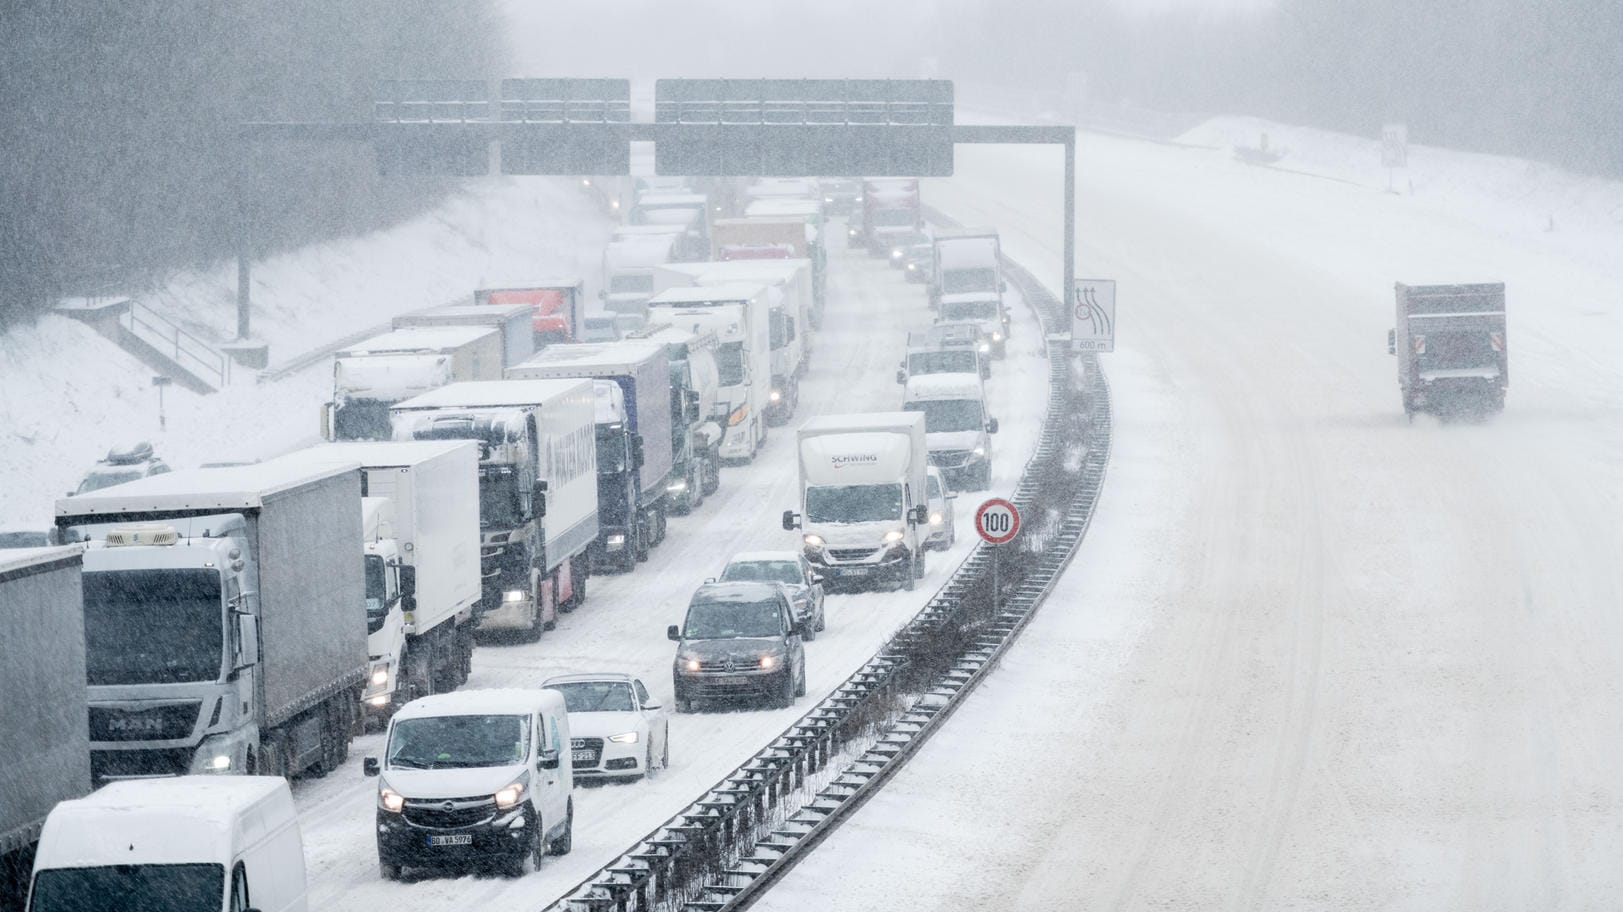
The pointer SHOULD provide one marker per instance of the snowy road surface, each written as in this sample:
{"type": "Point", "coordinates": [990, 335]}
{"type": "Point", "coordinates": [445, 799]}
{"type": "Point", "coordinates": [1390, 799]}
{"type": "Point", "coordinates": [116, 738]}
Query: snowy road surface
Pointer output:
{"type": "Point", "coordinates": [1309, 656]}
{"type": "Point", "coordinates": [622, 626]}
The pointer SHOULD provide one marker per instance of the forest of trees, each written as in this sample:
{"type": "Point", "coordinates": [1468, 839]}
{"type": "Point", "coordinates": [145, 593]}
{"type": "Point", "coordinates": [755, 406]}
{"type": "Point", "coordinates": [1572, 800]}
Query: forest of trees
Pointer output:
{"type": "Point", "coordinates": [1536, 78]}
{"type": "Point", "coordinates": [122, 159]}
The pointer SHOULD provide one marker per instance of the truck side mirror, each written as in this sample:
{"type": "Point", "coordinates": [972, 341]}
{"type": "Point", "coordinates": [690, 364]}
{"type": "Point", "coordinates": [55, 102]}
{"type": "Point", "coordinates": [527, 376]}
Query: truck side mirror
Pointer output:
{"type": "Point", "coordinates": [371, 767]}
{"type": "Point", "coordinates": [673, 632]}
{"type": "Point", "coordinates": [791, 522]}
{"type": "Point", "coordinates": [692, 410]}
{"type": "Point", "coordinates": [901, 375]}
{"type": "Point", "coordinates": [636, 452]}
{"type": "Point", "coordinates": [548, 760]}
{"type": "Point", "coordinates": [408, 588]}
{"type": "Point", "coordinates": [247, 645]}
{"type": "Point", "coordinates": [919, 515]}
{"type": "Point", "coordinates": [327, 431]}
{"type": "Point", "coordinates": [1002, 285]}
{"type": "Point", "coordinates": [1391, 341]}
{"type": "Point", "coordinates": [991, 426]}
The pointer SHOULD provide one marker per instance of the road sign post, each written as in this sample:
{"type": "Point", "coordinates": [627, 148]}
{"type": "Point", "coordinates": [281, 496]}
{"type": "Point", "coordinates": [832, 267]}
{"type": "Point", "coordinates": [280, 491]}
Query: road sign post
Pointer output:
{"type": "Point", "coordinates": [1093, 315]}
{"type": "Point", "coordinates": [997, 522]}
{"type": "Point", "coordinates": [1394, 150]}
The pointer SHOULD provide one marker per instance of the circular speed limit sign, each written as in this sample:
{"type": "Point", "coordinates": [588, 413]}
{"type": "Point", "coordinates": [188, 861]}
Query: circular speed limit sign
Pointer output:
{"type": "Point", "coordinates": [997, 521]}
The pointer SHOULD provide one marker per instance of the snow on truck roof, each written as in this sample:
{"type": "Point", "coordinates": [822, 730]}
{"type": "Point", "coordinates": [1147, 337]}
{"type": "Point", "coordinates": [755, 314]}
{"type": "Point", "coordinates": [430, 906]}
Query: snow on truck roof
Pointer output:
{"type": "Point", "coordinates": [501, 701]}
{"type": "Point", "coordinates": [226, 489]}
{"type": "Point", "coordinates": [599, 356]}
{"type": "Point", "coordinates": [13, 560]}
{"type": "Point", "coordinates": [462, 315]}
{"type": "Point", "coordinates": [708, 294]}
{"type": "Point", "coordinates": [493, 394]}
{"type": "Point", "coordinates": [869, 421]}
{"type": "Point", "coordinates": [381, 453]}
{"type": "Point", "coordinates": [419, 338]}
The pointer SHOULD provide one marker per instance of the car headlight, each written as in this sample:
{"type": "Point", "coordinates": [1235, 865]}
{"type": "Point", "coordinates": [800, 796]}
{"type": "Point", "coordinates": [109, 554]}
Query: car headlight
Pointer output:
{"type": "Point", "coordinates": [980, 451]}
{"type": "Point", "coordinates": [380, 674]}
{"type": "Point", "coordinates": [690, 664]}
{"type": "Point", "coordinates": [677, 486]}
{"type": "Point", "coordinates": [893, 536]}
{"type": "Point", "coordinates": [812, 541]}
{"type": "Point", "coordinates": [769, 661]}
{"type": "Point", "coordinates": [511, 795]}
{"type": "Point", "coordinates": [997, 337]}
{"type": "Point", "coordinates": [828, 200]}
{"type": "Point", "coordinates": [625, 738]}
{"type": "Point", "coordinates": [912, 267]}
{"type": "Point", "coordinates": [775, 396]}
{"type": "Point", "coordinates": [896, 254]}
{"type": "Point", "coordinates": [985, 348]}
{"type": "Point", "coordinates": [513, 595]}
{"type": "Point", "coordinates": [391, 800]}
{"type": "Point", "coordinates": [936, 519]}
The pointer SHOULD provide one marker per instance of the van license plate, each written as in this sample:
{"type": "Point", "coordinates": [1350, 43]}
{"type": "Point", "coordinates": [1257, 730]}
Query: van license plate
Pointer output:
{"type": "Point", "coordinates": [584, 756]}
{"type": "Point", "coordinates": [856, 571]}
{"type": "Point", "coordinates": [454, 840]}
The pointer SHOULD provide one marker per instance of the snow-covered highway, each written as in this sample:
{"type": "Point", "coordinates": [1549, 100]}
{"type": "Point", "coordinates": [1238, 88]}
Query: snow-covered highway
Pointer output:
{"type": "Point", "coordinates": [1309, 656]}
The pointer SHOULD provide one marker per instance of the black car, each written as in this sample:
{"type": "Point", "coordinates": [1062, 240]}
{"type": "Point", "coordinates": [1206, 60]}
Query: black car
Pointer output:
{"type": "Point", "coordinates": [739, 640]}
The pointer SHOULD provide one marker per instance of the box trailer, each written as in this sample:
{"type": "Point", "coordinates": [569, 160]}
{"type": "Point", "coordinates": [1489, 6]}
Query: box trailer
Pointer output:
{"type": "Point", "coordinates": [513, 321]}
{"type": "Point", "coordinates": [370, 377]}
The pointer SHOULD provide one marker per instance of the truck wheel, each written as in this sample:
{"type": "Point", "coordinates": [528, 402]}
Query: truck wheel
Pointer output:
{"type": "Point", "coordinates": [659, 523]}
{"type": "Point", "coordinates": [696, 488]}
{"type": "Point", "coordinates": [711, 474]}
{"type": "Point", "coordinates": [388, 871]}
{"type": "Point", "coordinates": [800, 679]}
{"type": "Point", "coordinates": [919, 563]}
{"type": "Point", "coordinates": [910, 572]}
{"type": "Point", "coordinates": [684, 705]}
{"type": "Point", "coordinates": [563, 844]}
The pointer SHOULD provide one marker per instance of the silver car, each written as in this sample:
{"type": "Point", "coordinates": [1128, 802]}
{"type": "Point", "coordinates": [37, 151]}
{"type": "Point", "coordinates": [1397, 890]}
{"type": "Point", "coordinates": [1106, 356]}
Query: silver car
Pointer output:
{"type": "Point", "coordinates": [943, 533]}
{"type": "Point", "coordinates": [791, 569]}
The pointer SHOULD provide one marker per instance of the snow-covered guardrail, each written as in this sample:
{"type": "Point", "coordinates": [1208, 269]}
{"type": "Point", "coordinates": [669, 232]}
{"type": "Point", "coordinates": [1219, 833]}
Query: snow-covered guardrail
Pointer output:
{"type": "Point", "coordinates": [745, 832]}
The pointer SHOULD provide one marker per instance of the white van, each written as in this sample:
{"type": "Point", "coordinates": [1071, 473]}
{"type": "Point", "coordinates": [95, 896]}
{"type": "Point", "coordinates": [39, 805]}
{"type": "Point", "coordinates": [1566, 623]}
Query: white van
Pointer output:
{"type": "Point", "coordinates": [184, 844]}
{"type": "Point", "coordinates": [474, 777]}
{"type": "Point", "coordinates": [957, 431]}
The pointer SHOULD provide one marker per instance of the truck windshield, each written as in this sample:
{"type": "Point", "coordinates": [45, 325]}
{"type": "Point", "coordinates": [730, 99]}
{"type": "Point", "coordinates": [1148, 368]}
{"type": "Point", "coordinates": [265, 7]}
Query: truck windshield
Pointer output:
{"type": "Point", "coordinates": [362, 419]}
{"type": "Point", "coordinates": [130, 888]}
{"type": "Point", "coordinates": [726, 620]}
{"type": "Point", "coordinates": [153, 626]}
{"type": "Point", "coordinates": [1458, 351]}
{"type": "Point", "coordinates": [969, 310]}
{"type": "Point", "coordinates": [853, 503]}
{"type": "Point", "coordinates": [499, 505]}
{"type": "Point", "coordinates": [730, 362]}
{"type": "Point", "coordinates": [941, 415]}
{"type": "Point", "coordinates": [962, 361]}
{"type": "Point", "coordinates": [458, 742]}
{"type": "Point", "coordinates": [377, 593]}
{"type": "Point", "coordinates": [891, 218]}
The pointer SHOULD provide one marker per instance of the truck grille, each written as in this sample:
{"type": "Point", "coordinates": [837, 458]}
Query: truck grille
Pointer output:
{"type": "Point", "coordinates": [449, 813]}
{"type": "Point", "coordinates": [594, 745]}
{"type": "Point", "coordinates": [139, 764]}
{"type": "Point", "coordinates": [850, 554]}
{"type": "Point", "coordinates": [170, 722]}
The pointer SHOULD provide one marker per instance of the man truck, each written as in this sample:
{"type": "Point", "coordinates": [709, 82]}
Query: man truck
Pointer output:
{"type": "Point", "coordinates": [44, 729]}
{"type": "Point", "coordinates": [1450, 343]}
{"type": "Point", "coordinates": [864, 510]}
{"type": "Point", "coordinates": [632, 386]}
{"type": "Point", "coordinates": [221, 630]}
{"type": "Point", "coordinates": [537, 490]}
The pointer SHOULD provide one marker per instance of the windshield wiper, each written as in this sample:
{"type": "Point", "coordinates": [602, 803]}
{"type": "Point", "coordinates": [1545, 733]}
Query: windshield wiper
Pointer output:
{"type": "Point", "coordinates": [408, 763]}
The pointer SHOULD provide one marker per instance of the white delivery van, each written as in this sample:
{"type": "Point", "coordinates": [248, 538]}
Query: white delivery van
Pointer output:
{"type": "Point", "coordinates": [957, 430]}
{"type": "Point", "coordinates": [185, 844]}
{"type": "Point", "coordinates": [475, 777]}
{"type": "Point", "coordinates": [863, 504]}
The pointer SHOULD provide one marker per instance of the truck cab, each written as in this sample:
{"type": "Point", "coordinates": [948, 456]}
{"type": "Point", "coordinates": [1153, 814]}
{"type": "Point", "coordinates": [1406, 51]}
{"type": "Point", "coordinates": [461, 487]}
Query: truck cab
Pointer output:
{"type": "Point", "coordinates": [372, 376]}
{"type": "Point", "coordinates": [739, 316]}
{"type": "Point", "coordinates": [949, 350]}
{"type": "Point", "coordinates": [957, 430]}
{"type": "Point", "coordinates": [628, 276]}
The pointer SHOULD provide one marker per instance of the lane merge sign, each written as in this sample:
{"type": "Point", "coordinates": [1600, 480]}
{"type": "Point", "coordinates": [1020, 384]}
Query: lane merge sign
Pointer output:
{"type": "Point", "coordinates": [997, 521]}
{"type": "Point", "coordinates": [1093, 315]}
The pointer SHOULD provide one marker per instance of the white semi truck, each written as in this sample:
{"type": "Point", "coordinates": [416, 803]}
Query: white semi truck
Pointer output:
{"type": "Point", "coordinates": [44, 740]}
{"type": "Point", "coordinates": [864, 509]}
{"type": "Point", "coordinates": [739, 315]}
{"type": "Point", "coordinates": [537, 489]}
{"type": "Point", "coordinates": [420, 519]}
{"type": "Point", "coordinates": [371, 377]}
{"type": "Point", "coordinates": [695, 426]}
{"type": "Point", "coordinates": [221, 630]}
{"type": "Point", "coordinates": [513, 320]}
{"type": "Point", "coordinates": [967, 284]}
{"type": "Point", "coordinates": [628, 275]}
{"type": "Point", "coordinates": [790, 302]}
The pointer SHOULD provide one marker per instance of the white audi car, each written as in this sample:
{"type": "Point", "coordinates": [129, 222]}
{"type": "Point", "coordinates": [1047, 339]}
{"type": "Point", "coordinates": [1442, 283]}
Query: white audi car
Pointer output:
{"type": "Point", "coordinates": [617, 730]}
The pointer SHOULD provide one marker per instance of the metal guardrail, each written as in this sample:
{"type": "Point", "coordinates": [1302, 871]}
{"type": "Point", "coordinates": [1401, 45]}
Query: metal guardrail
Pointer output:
{"type": "Point", "coordinates": [743, 834]}
{"type": "Point", "coordinates": [187, 351]}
